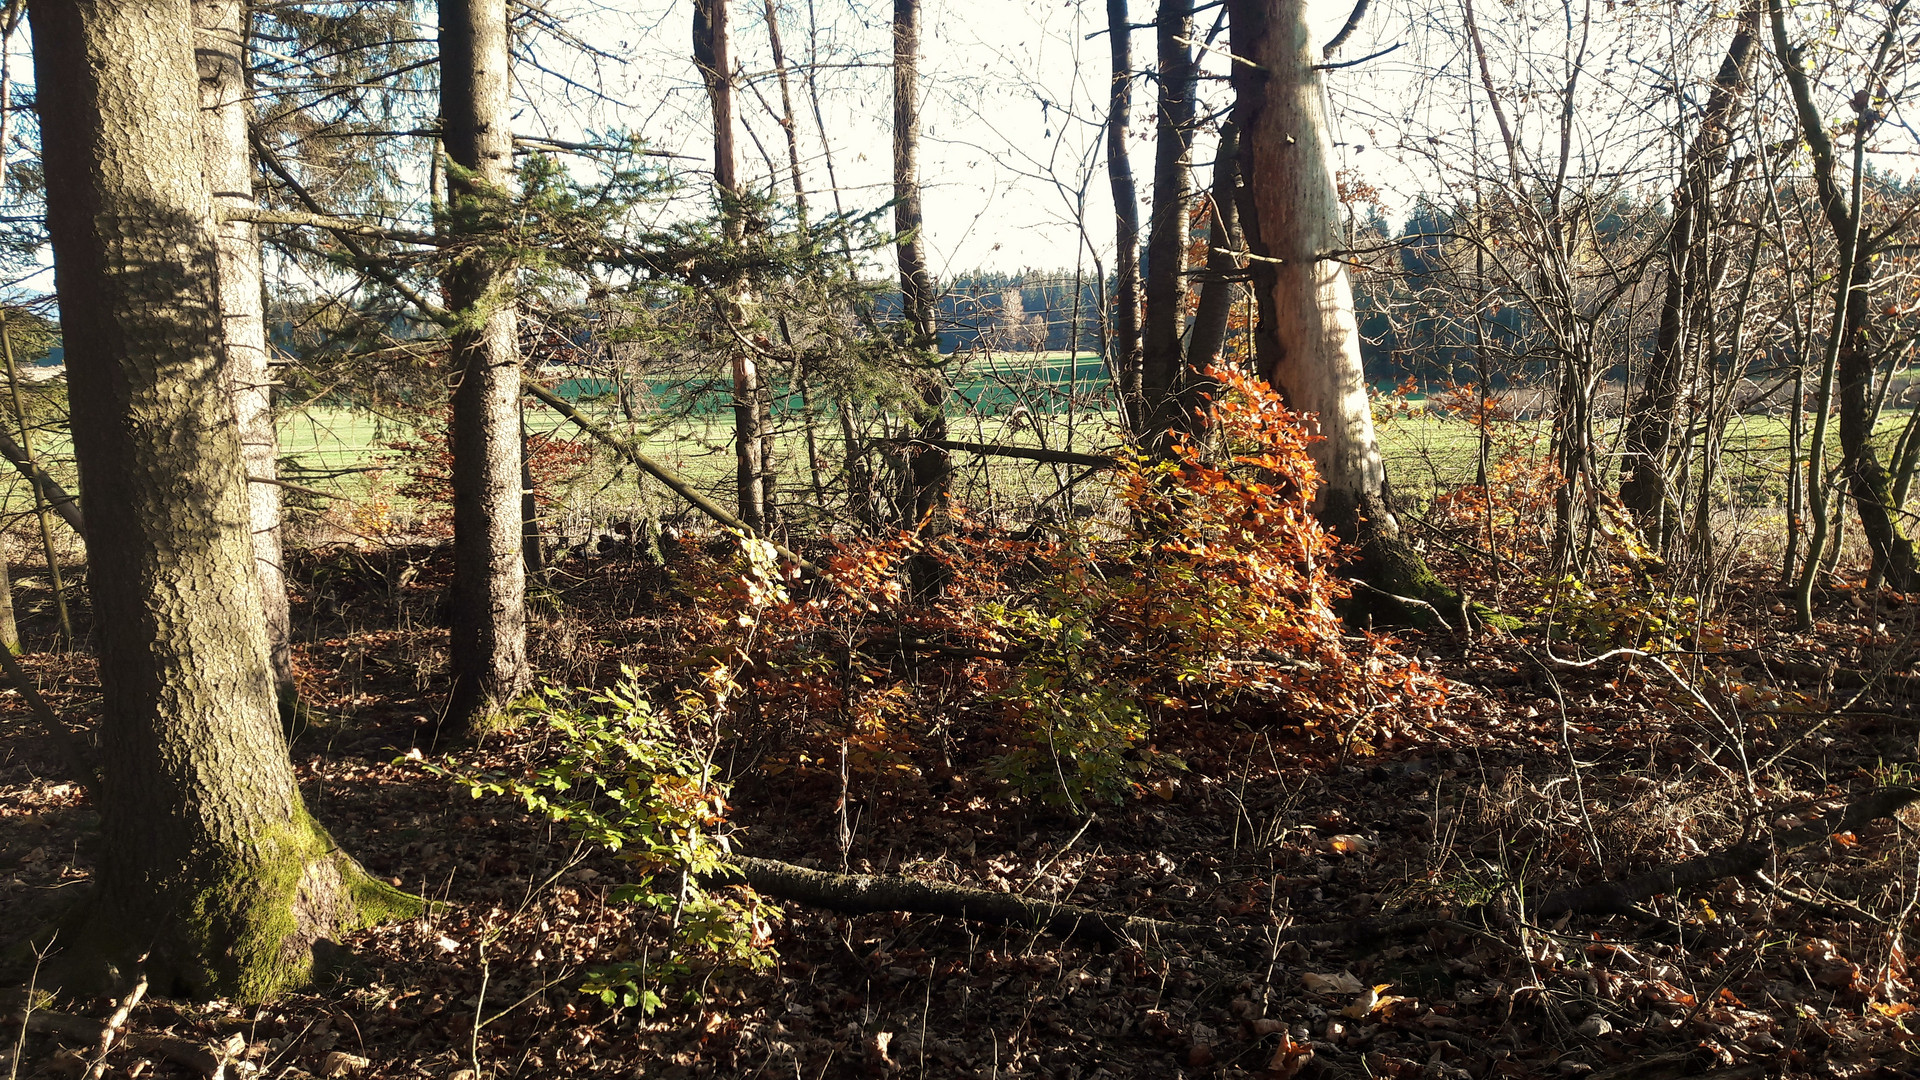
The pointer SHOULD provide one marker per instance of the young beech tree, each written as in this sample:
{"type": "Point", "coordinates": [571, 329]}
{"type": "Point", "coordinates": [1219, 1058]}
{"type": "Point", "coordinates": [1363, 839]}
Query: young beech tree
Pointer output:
{"type": "Point", "coordinates": [220, 49]}
{"type": "Point", "coordinates": [1307, 343]}
{"type": "Point", "coordinates": [488, 648]}
{"type": "Point", "coordinates": [208, 863]}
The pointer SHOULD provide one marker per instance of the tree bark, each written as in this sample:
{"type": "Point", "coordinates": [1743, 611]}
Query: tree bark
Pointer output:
{"type": "Point", "coordinates": [1162, 363]}
{"type": "Point", "coordinates": [1647, 444]}
{"type": "Point", "coordinates": [1307, 344]}
{"type": "Point", "coordinates": [209, 863]}
{"type": "Point", "coordinates": [931, 471]}
{"type": "Point", "coordinates": [489, 642]}
{"type": "Point", "coordinates": [1124, 348]}
{"type": "Point", "coordinates": [220, 50]}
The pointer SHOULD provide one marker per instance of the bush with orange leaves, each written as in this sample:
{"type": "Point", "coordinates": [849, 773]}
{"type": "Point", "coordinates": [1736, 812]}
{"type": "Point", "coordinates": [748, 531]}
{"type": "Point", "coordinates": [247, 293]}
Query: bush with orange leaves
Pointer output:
{"type": "Point", "coordinates": [1216, 596]}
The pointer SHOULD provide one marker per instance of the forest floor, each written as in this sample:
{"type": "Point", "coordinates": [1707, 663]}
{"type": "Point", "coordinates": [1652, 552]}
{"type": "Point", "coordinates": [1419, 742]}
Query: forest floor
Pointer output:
{"type": "Point", "coordinates": [1467, 818]}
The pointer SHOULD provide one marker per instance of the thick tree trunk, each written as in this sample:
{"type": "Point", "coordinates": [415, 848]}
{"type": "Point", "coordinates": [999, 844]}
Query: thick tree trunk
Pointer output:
{"type": "Point", "coordinates": [1163, 365]}
{"type": "Point", "coordinates": [489, 643]}
{"type": "Point", "coordinates": [1123, 350]}
{"type": "Point", "coordinates": [932, 468]}
{"type": "Point", "coordinates": [209, 862]}
{"type": "Point", "coordinates": [1308, 343]}
{"type": "Point", "coordinates": [221, 39]}
{"type": "Point", "coordinates": [1647, 445]}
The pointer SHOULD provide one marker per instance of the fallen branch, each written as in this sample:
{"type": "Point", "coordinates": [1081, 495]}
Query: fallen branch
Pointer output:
{"type": "Point", "coordinates": [111, 1029]}
{"type": "Point", "coordinates": [81, 1029]}
{"type": "Point", "coordinates": [861, 894]}
{"type": "Point", "coordinates": [659, 472]}
{"type": "Point", "coordinates": [1029, 453]}
{"type": "Point", "coordinates": [67, 506]}
{"type": "Point", "coordinates": [1623, 897]}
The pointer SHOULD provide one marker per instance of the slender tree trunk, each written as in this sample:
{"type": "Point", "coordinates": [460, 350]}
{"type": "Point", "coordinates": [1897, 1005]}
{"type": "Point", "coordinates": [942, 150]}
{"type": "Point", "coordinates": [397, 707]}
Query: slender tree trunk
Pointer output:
{"type": "Point", "coordinates": [1123, 351]}
{"type": "Point", "coordinates": [1308, 342]}
{"type": "Point", "coordinates": [711, 55]}
{"type": "Point", "coordinates": [932, 467]}
{"type": "Point", "coordinates": [42, 495]}
{"type": "Point", "coordinates": [208, 863]}
{"type": "Point", "coordinates": [1162, 364]}
{"type": "Point", "coordinates": [221, 44]}
{"type": "Point", "coordinates": [1648, 442]}
{"type": "Point", "coordinates": [9, 628]}
{"type": "Point", "coordinates": [1222, 285]}
{"type": "Point", "coordinates": [489, 642]}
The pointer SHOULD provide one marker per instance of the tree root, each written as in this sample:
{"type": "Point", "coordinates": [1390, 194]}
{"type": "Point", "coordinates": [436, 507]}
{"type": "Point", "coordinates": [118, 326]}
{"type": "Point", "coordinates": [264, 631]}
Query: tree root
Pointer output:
{"type": "Point", "coordinates": [81, 1029]}
{"type": "Point", "coordinates": [1623, 897]}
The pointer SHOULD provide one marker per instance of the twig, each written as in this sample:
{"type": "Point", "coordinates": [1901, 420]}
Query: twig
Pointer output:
{"type": "Point", "coordinates": [112, 1029]}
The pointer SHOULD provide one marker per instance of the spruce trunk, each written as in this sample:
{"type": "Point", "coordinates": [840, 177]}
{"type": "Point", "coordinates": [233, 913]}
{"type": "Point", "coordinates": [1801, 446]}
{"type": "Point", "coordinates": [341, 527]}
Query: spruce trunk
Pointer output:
{"type": "Point", "coordinates": [931, 473]}
{"type": "Point", "coordinates": [208, 863]}
{"type": "Point", "coordinates": [489, 642]}
{"type": "Point", "coordinates": [221, 27]}
{"type": "Point", "coordinates": [1307, 343]}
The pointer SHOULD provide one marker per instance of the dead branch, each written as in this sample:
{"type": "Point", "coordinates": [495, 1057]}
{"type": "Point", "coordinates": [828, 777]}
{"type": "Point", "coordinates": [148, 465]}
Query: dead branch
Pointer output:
{"type": "Point", "coordinates": [860, 894]}
{"type": "Point", "coordinates": [1623, 897]}
{"type": "Point", "coordinates": [1029, 453]}
{"type": "Point", "coordinates": [81, 1029]}
{"type": "Point", "coordinates": [67, 506]}
{"type": "Point", "coordinates": [659, 472]}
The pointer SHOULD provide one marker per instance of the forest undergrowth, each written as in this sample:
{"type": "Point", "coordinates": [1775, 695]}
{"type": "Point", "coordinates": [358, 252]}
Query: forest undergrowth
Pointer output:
{"type": "Point", "coordinates": [1361, 845]}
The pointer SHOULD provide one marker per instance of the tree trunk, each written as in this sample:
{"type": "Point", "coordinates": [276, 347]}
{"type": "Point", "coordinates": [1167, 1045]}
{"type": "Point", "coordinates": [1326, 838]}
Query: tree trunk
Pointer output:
{"type": "Point", "coordinates": [1647, 444]}
{"type": "Point", "coordinates": [1221, 288]}
{"type": "Point", "coordinates": [221, 41]}
{"type": "Point", "coordinates": [208, 861]}
{"type": "Point", "coordinates": [750, 407]}
{"type": "Point", "coordinates": [1307, 343]}
{"type": "Point", "coordinates": [932, 467]}
{"type": "Point", "coordinates": [1123, 352]}
{"type": "Point", "coordinates": [489, 643]}
{"type": "Point", "coordinates": [1162, 364]}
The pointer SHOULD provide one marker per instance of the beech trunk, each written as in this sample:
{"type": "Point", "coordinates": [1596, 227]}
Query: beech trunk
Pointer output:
{"type": "Point", "coordinates": [221, 39]}
{"type": "Point", "coordinates": [488, 648]}
{"type": "Point", "coordinates": [208, 863]}
{"type": "Point", "coordinates": [1307, 343]}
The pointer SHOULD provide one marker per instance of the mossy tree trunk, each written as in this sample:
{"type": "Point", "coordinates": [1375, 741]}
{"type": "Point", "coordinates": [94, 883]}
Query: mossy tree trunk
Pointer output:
{"type": "Point", "coordinates": [220, 50]}
{"type": "Point", "coordinates": [208, 861]}
{"type": "Point", "coordinates": [488, 648]}
{"type": "Point", "coordinates": [1307, 343]}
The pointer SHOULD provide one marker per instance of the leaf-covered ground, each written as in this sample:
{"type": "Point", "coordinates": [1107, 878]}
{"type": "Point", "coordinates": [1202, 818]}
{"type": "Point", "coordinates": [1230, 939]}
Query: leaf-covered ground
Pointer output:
{"type": "Point", "coordinates": [1533, 776]}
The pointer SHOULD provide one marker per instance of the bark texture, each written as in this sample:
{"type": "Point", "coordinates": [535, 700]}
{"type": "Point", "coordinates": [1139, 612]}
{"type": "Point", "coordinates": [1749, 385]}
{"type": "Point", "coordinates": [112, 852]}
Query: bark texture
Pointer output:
{"type": "Point", "coordinates": [1307, 343]}
{"type": "Point", "coordinates": [220, 50]}
{"type": "Point", "coordinates": [209, 862]}
{"type": "Point", "coordinates": [489, 642]}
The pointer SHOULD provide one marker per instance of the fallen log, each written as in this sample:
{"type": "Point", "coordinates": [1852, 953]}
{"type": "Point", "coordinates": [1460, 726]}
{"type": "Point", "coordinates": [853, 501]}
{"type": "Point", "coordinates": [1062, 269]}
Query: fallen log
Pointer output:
{"type": "Point", "coordinates": [1623, 897]}
{"type": "Point", "coordinates": [861, 894]}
